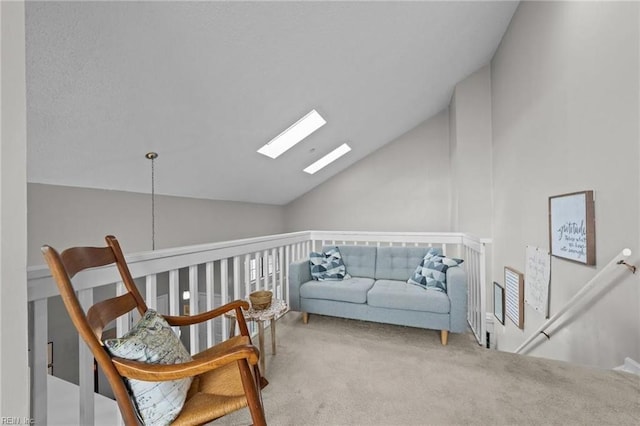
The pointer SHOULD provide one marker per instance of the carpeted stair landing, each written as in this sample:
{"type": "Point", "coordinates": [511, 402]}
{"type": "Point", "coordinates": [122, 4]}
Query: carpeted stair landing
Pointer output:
{"type": "Point", "coordinates": [342, 372]}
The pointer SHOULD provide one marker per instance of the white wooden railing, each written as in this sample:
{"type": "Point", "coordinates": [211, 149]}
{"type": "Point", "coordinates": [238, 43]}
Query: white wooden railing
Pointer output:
{"type": "Point", "coordinates": [219, 272]}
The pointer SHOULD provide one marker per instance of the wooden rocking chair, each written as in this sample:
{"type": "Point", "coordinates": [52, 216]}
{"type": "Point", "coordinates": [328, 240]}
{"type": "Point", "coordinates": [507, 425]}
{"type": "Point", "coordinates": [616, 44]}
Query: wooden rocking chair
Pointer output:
{"type": "Point", "coordinates": [226, 376]}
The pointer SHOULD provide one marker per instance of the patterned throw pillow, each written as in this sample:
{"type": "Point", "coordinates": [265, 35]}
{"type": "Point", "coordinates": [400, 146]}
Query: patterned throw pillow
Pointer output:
{"type": "Point", "coordinates": [153, 341]}
{"type": "Point", "coordinates": [433, 272]}
{"type": "Point", "coordinates": [417, 278]}
{"type": "Point", "coordinates": [328, 266]}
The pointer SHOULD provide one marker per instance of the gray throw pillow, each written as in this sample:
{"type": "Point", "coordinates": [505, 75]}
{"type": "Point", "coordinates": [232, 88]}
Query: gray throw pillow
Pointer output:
{"type": "Point", "coordinates": [153, 341]}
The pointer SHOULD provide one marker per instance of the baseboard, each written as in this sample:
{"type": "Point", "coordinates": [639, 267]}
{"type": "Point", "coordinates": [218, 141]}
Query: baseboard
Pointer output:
{"type": "Point", "coordinates": [629, 366]}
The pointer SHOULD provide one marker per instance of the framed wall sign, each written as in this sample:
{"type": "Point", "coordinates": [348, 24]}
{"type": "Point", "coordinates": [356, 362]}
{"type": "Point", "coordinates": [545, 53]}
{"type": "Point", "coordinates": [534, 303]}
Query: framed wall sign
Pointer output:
{"type": "Point", "coordinates": [498, 302]}
{"type": "Point", "coordinates": [572, 227]}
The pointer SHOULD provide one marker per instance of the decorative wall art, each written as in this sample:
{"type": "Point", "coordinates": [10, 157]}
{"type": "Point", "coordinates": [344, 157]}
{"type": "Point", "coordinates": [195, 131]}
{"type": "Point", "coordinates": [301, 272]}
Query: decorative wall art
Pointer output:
{"type": "Point", "coordinates": [572, 228]}
{"type": "Point", "coordinates": [498, 302]}
{"type": "Point", "coordinates": [514, 296]}
{"type": "Point", "coordinates": [537, 275]}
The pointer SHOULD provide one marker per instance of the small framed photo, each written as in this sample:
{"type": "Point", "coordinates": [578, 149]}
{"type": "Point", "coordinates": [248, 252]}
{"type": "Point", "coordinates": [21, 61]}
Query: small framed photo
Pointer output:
{"type": "Point", "coordinates": [498, 302]}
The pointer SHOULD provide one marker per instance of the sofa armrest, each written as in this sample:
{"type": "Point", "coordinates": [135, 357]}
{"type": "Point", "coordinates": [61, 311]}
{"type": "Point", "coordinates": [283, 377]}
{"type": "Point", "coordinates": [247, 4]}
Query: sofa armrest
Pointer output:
{"type": "Point", "coordinates": [457, 292]}
{"type": "Point", "coordinates": [299, 273]}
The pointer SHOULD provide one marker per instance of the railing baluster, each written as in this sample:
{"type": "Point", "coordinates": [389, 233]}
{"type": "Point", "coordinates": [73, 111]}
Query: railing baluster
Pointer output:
{"type": "Point", "coordinates": [281, 286]}
{"type": "Point", "coordinates": [287, 262]}
{"type": "Point", "coordinates": [224, 292]}
{"type": "Point", "coordinates": [122, 323]}
{"type": "Point", "coordinates": [174, 295]}
{"type": "Point", "coordinates": [258, 270]}
{"type": "Point", "coordinates": [237, 289]}
{"type": "Point", "coordinates": [471, 317]}
{"type": "Point", "coordinates": [193, 308]}
{"type": "Point", "coordinates": [261, 282]}
{"type": "Point", "coordinates": [174, 292]}
{"type": "Point", "coordinates": [482, 271]}
{"type": "Point", "coordinates": [265, 270]}
{"type": "Point", "coordinates": [210, 293]}
{"type": "Point", "coordinates": [247, 275]}
{"type": "Point", "coordinates": [85, 368]}
{"type": "Point", "coordinates": [151, 293]}
{"type": "Point", "coordinates": [40, 362]}
{"type": "Point", "coordinates": [274, 271]}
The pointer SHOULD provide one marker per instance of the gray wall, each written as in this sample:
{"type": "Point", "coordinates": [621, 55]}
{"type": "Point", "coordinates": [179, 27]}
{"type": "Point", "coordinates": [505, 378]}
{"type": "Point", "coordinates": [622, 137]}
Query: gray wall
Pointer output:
{"type": "Point", "coordinates": [470, 154]}
{"type": "Point", "coordinates": [64, 216]}
{"type": "Point", "coordinates": [565, 118]}
{"type": "Point", "coordinates": [403, 186]}
{"type": "Point", "coordinates": [14, 386]}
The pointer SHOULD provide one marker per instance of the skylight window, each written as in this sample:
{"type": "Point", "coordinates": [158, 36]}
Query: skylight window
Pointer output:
{"type": "Point", "coordinates": [294, 134]}
{"type": "Point", "coordinates": [328, 159]}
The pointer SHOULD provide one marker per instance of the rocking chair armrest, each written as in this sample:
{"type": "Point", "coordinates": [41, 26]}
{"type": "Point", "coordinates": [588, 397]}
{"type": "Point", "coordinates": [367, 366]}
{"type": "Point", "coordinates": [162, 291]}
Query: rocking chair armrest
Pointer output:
{"type": "Point", "coordinates": [205, 316]}
{"type": "Point", "coordinates": [162, 372]}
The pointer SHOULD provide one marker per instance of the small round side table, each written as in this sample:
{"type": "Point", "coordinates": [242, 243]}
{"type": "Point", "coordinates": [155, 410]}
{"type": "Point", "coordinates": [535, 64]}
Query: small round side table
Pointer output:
{"type": "Point", "coordinates": [277, 309]}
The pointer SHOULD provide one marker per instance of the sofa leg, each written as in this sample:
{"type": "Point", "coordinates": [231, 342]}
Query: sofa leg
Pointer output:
{"type": "Point", "coordinates": [444, 336]}
{"type": "Point", "coordinates": [305, 317]}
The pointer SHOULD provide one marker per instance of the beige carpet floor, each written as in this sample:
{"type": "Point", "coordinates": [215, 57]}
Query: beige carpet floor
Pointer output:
{"type": "Point", "coordinates": [342, 372]}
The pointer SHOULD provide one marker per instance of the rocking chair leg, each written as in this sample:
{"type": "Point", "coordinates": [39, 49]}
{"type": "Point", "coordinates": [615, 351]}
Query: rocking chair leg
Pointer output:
{"type": "Point", "coordinates": [252, 393]}
{"type": "Point", "coordinates": [261, 381]}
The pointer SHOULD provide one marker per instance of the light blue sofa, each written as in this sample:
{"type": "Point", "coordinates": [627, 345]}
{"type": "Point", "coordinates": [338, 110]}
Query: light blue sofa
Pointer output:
{"type": "Point", "coordinates": [378, 291]}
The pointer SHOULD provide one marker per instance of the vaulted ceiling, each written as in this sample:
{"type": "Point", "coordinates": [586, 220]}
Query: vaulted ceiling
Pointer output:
{"type": "Point", "coordinates": [205, 84]}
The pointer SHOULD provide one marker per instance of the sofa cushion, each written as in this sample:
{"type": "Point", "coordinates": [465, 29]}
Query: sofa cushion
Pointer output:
{"type": "Point", "coordinates": [328, 265]}
{"type": "Point", "coordinates": [419, 276]}
{"type": "Point", "coordinates": [360, 260]}
{"type": "Point", "coordinates": [353, 290]}
{"type": "Point", "coordinates": [400, 295]}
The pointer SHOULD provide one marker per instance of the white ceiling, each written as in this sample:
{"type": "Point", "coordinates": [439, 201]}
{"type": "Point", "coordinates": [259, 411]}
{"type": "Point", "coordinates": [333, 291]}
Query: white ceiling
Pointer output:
{"type": "Point", "coordinates": [205, 84]}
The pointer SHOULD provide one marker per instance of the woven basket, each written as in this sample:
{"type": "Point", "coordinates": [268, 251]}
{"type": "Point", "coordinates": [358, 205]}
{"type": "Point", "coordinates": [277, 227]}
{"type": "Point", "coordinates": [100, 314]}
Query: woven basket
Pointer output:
{"type": "Point", "coordinates": [260, 299]}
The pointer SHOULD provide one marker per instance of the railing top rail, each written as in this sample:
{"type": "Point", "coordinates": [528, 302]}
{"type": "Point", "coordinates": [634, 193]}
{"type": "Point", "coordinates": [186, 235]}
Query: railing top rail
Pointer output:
{"type": "Point", "coordinates": [408, 237]}
{"type": "Point", "coordinates": [40, 283]}
{"type": "Point", "coordinates": [196, 248]}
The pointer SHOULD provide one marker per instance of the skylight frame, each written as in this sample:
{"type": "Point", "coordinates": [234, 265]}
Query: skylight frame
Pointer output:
{"type": "Point", "coordinates": [293, 135]}
{"type": "Point", "coordinates": [328, 159]}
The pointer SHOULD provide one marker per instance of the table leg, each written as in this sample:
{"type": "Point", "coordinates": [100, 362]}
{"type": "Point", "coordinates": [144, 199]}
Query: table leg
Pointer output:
{"type": "Point", "coordinates": [273, 336]}
{"type": "Point", "coordinates": [261, 342]}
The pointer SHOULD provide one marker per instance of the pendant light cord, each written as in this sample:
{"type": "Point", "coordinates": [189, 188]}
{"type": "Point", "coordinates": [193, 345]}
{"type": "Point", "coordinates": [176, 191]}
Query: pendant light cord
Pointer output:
{"type": "Point", "coordinates": [152, 156]}
{"type": "Point", "coordinates": [153, 204]}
